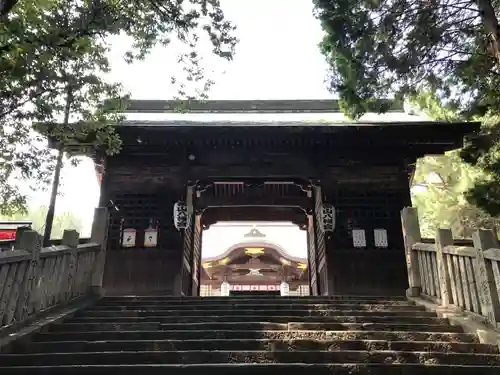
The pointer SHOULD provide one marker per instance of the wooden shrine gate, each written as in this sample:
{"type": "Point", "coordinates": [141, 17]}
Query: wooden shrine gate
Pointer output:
{"type": "Point", "coordinates": [343, 183]}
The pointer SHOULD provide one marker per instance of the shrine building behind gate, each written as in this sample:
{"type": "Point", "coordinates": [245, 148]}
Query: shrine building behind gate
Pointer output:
{"type": "Point", "coordinates": [343, 183]}
{"type": "Point", "coordinates": [255, 264]}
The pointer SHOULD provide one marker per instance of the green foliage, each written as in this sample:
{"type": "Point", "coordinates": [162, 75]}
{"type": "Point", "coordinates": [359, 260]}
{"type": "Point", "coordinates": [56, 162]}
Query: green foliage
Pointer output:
{"type": "Point", "coordinates": [53, 57]}
{"type": "Point", "coordinates": [62, 221]}
{"type": "Point", "coordinates": [483, 151]}
{"type": "Point", "coordinates": [449, 49]}
{"type": "Point", "coordinates": [439, 187]}
{"type": "Point", "coordinates": [382, 48]}
{"type": "Point", "coordinates": [441, 184]}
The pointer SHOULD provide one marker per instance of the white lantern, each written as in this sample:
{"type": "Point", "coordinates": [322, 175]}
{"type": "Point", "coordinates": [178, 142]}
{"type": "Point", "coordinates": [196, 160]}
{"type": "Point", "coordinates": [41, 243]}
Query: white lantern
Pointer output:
{"type": "Point", "coordinates": [224, 289]}
{"type": "Point", "coordinates": [284, 289]}
{"type": "Point", "coordinates": [180, 215]}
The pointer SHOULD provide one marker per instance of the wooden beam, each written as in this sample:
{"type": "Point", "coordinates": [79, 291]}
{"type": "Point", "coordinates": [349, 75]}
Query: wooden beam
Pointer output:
{"type": "Point", "coordinates": [251, 106]}
{"type": "Point", "coordinates": [214, 215]}
{"type": "Point", "coordinates": [246, 201]}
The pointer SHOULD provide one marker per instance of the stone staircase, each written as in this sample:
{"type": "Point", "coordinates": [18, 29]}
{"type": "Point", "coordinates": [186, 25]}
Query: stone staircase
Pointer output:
{"type": "Point", "coordinates": [252, 335]}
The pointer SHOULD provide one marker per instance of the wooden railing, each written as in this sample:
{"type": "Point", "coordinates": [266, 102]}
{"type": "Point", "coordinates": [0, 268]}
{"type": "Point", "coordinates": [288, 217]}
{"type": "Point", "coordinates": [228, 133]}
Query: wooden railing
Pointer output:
{"type": "Point", "coordinates": [453, 274]}
{"type": "Point", "coordinates": [33, 279]}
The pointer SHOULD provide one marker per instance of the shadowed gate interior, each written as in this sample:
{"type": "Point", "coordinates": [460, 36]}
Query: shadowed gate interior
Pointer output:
{"type": "Point", "coordinates": [298, 201]}
{"type": "Point", "coordinates": [345, 183]}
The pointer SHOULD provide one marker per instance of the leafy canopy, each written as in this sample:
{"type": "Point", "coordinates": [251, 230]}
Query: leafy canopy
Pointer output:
{"type": "Point", "coordinates": [380, 48]}
{"type": "Point", "coordinates": [53, 63]}
{"type": "Point", "coordinates": [442, 185]}
{"type": "Point", "coordinates": [448, 49]}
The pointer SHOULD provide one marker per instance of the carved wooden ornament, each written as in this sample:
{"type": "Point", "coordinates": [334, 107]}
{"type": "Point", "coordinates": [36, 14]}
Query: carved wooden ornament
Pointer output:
{"type": "Point", "coordinates": [180, 216]}
{"type": "Point", "coordinates": [128, 239]}
{"type": "Point", "coordinates": [150, 237]}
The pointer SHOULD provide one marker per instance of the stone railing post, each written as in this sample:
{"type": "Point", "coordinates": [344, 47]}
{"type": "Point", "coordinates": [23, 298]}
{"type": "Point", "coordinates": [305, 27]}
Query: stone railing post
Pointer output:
{"type": "Point", "coordinates": [488, 295]}
{"type": "Point", "coordinates": [31, 242]}
{"type": "Point", "coordinates": [443, 238]}
{"type": "Point", "coordinates": [18, 244]}
{"type": "Point", "coordinates": [411, 235]}
{"type": "Point", "coordinates": [71, 238]}
{"type": "Point", "coordinates": [99, 235]}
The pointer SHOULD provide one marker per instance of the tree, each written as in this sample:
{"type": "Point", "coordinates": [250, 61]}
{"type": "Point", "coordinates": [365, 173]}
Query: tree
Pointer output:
{"type": "Point", "coordinates": [439, 187]}
{"type": "Point", "coordinates": [62, 221]}
{"type": "Point", "coordinates": [394, 47]}
{"type": "Point", "coordinates": [53, 56]}
{"type": "Point", "coordinates": [449, 49]}
{"type": "Point", "coordinates": [441, 184]}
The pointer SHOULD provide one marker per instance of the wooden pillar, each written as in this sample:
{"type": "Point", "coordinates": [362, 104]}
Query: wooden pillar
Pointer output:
{"type": "Point", "coordinates": [197, 239]}
{"type": "Point", "coordinates": [411, 235]}
{"type": "Point", "coordinates": [311, 255]}
{"type": "Point", "coordinates": [99, 235]}
{"type": "Point", "coordinates": [187, 269]}
{"type": "Point", "coordinates": [321, 256]}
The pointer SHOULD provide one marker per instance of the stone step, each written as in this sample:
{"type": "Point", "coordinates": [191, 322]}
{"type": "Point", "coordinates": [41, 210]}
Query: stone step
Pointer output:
{"type": "Point", "coordinates": [257, 369]}
{"type": "Point", "coordinates": [247, 306]}
{"type": "Point", "coordinates": [244, 345]}
{"type": "Point", "coordinates": [208, 356]}
{"type": "Point", "coordinates": [253, 299]}
{"type": "Point", "coordinates": [263, 318]}
{"type": "Point", "coordinates": [224, 312]}
{"type": "Point", "coordinates": [252, 335]}
{"type": "Point", "coordinates": [210, 334]}
{"type": "Point", "coordinates": [251, 325]}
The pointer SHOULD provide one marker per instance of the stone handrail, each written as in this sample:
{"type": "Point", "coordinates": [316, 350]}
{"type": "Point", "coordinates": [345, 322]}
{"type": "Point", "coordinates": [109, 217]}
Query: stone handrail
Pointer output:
{"type": "Point", "coordinates": [33, 279]}
{"type": "Point", "coordinates": [465, 277]}
{"type": "Point", "coordinates": [9, 244]}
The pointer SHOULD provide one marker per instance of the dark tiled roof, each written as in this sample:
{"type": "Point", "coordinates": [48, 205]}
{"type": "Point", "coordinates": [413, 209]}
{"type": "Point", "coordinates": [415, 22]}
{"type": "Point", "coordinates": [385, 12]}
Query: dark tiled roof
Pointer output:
{"type": "Point", "coordinates": [184, 123]}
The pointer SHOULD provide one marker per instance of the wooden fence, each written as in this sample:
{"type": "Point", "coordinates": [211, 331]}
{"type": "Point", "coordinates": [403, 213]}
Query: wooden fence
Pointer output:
{"type": "Point", "coordinates": [465, 275]}
{"type": "Point", "coordinates": [33, 278]}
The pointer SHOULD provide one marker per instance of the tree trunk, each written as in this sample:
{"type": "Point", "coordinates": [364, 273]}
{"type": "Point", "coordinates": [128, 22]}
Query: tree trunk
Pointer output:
{"type": "Point", "coordinates": [490, 23]}
{"type": "Point", "coordinates": [49, 220]}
